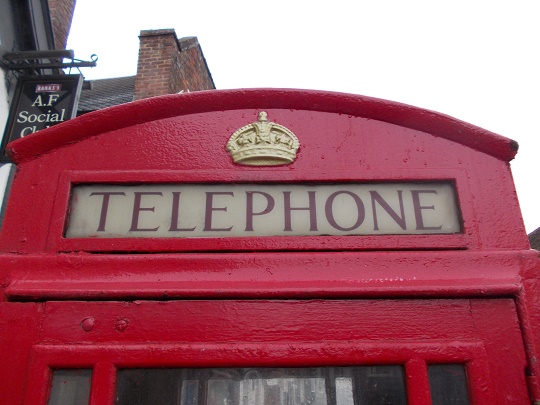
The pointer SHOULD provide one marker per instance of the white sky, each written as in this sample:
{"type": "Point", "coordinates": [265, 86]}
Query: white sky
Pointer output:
{"type": "Point", "coordinates": [474, 60]}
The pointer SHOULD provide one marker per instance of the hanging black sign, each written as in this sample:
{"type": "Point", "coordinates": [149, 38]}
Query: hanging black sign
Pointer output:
{"type": "Point", "coordinates": [41, 102]}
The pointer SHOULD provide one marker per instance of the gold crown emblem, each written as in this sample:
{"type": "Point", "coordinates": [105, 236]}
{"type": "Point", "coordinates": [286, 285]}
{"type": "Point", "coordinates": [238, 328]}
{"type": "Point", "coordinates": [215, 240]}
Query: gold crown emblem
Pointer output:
{"type": "Point", "coordinates": [263, 143]}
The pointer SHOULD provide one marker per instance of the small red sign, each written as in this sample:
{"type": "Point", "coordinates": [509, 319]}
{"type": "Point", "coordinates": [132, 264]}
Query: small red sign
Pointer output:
{"type": "Point", "coordinates": [44, 88]}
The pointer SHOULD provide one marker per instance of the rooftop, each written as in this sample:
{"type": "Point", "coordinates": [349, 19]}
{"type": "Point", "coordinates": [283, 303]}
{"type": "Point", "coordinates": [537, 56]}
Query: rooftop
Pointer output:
{"type": "Point", "coordinates": [534, 239]}
{"type": "Point", "coordinates": [103, 93]}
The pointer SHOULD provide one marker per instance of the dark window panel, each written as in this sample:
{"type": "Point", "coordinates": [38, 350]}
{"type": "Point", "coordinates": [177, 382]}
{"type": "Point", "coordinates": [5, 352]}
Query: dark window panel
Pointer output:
{"type": "Point", "coordinates": [448, 384]}
{"type": "Point", "coordinates": [379, 385]}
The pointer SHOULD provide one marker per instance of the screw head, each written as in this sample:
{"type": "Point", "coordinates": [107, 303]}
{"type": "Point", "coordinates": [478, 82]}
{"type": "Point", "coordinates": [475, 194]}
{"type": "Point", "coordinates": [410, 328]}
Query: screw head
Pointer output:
{"type": "Point", "coordinates": [121, 324]}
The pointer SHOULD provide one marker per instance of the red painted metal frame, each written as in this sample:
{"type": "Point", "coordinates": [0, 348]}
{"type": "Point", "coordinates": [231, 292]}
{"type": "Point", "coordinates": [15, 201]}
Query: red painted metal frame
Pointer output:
{"type": "Point", "coordinates": [106, 360]}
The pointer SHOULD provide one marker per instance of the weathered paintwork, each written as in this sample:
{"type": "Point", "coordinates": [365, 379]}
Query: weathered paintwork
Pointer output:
{"type": "Point", "coordinates": [471, 297]}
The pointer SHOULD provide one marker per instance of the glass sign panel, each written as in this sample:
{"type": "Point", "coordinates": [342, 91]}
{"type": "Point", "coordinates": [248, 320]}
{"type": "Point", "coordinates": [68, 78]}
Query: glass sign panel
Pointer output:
{"type": "Point", "coordinates": [243, 210]}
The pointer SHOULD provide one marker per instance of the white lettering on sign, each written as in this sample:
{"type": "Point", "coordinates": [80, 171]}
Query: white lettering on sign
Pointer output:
{"type": "Point", "coordinates": [25, 116]}
{"type": "Point", "coordinates": [243, 210]}
{"type": "Point", "coordinates": [43, 88]}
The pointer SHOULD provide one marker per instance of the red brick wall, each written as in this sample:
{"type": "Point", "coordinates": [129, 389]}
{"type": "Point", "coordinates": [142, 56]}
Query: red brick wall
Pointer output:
{"type": "Point", "coordinates": [168, 65]}
{"type": "Point", "coordinates": [61, 12]}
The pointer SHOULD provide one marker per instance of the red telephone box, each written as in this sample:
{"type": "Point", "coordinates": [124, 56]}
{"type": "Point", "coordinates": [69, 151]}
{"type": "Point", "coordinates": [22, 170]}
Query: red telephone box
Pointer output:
{"type": "Point", "coordinates": [266, 247]}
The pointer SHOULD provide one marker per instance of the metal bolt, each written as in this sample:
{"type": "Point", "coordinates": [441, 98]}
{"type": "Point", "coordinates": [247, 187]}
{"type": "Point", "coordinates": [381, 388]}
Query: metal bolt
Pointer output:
{"type": "Point", "coordinates": [87, 324]}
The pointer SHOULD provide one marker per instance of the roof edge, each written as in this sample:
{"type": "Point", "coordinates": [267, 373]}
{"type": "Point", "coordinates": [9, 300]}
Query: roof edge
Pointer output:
{"type": "Point", "coordinates": [167, 106]}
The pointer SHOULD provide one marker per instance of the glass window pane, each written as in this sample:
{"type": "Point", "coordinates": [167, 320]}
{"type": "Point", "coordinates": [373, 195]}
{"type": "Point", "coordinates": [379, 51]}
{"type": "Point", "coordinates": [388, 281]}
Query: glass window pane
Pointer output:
{"type": "Point", "coordinates": [448, 384]}
{"type": "Point", "coordinates": [189, 393]}
{"type": "Point", "coordinates": [262, 386]}
{"type": "Point", "coordinates": [152, 386]}
{"type": "Point", "coordinates": [70, 387]}
{"type": "Point", "coordinates": [380, 385]}
{"type": "Point", "coordinates": [344, 391]}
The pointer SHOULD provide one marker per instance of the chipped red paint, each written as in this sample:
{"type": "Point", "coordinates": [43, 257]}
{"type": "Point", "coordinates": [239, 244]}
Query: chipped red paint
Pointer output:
{"type": "Point", "coordinates": [471, 297]}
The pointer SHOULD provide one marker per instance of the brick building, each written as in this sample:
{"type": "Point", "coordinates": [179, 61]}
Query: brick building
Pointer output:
{"type": "Point", "coordinates": [166, 65]}
{"type": "Point", "coordinates": [61, 14]}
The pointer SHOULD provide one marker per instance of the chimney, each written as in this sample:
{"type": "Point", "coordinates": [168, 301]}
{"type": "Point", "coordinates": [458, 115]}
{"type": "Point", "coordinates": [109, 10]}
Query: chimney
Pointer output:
{"type": "Point", "coordinates": [168, 65]}
{"type": "Point", "coordinates": [61, 12]}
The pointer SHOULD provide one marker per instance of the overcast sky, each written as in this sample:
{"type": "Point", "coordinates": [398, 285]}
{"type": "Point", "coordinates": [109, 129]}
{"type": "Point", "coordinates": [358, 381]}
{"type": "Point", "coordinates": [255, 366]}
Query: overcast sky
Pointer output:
{"type": "Point", "coordinates": [474, 60]}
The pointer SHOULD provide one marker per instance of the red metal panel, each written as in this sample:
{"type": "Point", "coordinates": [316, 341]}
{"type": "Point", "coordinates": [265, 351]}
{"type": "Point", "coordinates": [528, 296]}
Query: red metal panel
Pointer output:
{"type": "Point", "coordinates": [19, 330]}
{"type": "Point", "coordinates": [288, 333]}
{"type": "Point", "coordinates": [209, 101]}
{"type": "Point", "coordinates": [258, 275]}
{"type": "Point", "coordinates": [486, 317]}
{"type": "Point", "coordinates": [225, 321]}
